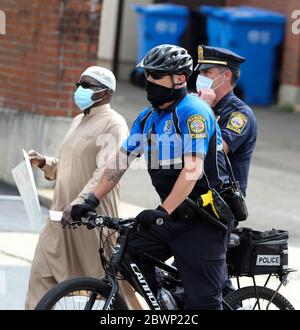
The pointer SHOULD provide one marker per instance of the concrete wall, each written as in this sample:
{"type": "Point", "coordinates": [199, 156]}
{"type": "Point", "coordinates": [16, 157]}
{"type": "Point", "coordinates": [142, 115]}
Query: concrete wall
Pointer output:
{"type": "Point", "coordinates": [108, 25]}
{"type": "Point", "coordinates": [23, 130]}
{"type": "Point", "coordinates": [128, 44]}
{"type": "Point", "coordinates": [290, 95]}
{"type": "Point", "coordinates": [128, 51]}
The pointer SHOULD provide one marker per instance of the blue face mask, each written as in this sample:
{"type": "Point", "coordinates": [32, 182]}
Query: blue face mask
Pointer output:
{"type": "Point", "coordinates": [83, 97]}
{"type": "Point", "coordinates": [204, 82]}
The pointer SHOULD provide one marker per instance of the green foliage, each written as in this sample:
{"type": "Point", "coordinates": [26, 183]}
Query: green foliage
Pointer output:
{"type": "Point", "coordinates": [287, 107]}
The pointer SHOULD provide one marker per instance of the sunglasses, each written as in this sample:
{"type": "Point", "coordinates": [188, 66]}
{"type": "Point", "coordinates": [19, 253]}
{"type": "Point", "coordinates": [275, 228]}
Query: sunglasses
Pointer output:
{"type": "Point", "coordinates": [86, 85]}
{"type": "Point", "coordinates": [155, 75]}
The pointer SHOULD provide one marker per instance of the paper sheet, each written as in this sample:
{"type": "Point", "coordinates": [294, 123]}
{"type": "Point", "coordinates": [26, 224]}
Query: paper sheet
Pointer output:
{"type": "Point", "coordinates": [24, 179]}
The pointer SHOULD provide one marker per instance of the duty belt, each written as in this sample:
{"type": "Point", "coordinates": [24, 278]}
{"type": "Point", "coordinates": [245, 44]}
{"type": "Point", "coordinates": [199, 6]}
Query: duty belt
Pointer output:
{"type": "Point", "coordinates": [219, 207]}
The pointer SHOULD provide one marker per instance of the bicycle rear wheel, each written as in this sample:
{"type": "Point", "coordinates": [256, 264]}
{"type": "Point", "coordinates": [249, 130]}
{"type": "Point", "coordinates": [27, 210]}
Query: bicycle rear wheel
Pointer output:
{"type": "Point", "coordinates": [247, 298]}
{"type": "Point", "coordinates": [79, 294]}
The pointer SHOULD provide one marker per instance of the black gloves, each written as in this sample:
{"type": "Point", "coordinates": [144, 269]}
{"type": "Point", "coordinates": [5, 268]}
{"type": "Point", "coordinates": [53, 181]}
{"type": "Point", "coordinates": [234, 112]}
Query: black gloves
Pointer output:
{"type": "Point", "coordinates": [78, 211]}
{"type": "Point", "coordinates": [148, 217]}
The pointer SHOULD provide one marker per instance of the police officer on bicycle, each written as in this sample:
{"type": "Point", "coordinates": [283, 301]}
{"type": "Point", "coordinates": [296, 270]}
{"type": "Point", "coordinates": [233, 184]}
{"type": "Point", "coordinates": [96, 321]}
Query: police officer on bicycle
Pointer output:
{"type": "Point", "coordinates": [181, 141]}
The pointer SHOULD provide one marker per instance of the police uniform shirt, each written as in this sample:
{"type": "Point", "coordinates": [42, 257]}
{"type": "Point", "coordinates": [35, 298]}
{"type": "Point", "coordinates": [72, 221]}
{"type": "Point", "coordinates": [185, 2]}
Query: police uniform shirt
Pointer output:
{"type": "Point", "coordinates": [189, 130]}
{"type": "Point", "coordinates": [239, 130]}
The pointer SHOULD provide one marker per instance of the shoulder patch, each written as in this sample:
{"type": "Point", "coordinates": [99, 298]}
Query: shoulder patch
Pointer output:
{"type": "Point", "coordinates": [237, 122]}
{"type": "Point", "coordinates": [197, 127]}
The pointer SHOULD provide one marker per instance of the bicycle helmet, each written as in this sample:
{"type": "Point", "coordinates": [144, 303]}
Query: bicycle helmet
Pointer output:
{"type": "Point", "coordinates": [170, 59]}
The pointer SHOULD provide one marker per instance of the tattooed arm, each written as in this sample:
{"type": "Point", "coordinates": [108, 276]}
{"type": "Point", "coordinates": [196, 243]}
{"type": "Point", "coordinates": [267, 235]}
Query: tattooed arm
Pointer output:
{"type": "Point", "coordinates": [112, 174]}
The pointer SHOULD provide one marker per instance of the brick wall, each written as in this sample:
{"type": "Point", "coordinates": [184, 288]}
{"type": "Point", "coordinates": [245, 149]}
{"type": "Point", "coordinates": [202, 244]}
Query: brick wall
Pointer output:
{"type": "Point", "coordinates": [290, 73]}
{"type": "Point", "coordinates": [46, 47]}
{"type": "Point", "coordinates": [194, 3]}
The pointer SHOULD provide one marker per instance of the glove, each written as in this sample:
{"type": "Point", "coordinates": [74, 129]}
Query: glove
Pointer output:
{"type": "Point", "coordinates": [66, 217]}
{"type": "Point", "coordinates": [148, 217]}
{"type": "Point", "coordinates": [78, 211]}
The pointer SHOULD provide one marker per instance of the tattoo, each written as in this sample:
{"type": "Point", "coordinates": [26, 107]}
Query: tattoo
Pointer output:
{"type": "Point", "coordinates": [116, 168]}
{"type": "Point", "coordinates": [113, 174]}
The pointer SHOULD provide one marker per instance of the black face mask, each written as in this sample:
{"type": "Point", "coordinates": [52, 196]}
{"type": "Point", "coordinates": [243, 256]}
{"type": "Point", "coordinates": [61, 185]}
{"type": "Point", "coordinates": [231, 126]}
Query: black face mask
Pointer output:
{"type": "Point", "coordinates": [157, 95]}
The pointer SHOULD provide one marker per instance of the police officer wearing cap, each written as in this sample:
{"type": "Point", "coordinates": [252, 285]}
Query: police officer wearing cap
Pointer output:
{"type": "Point", "coordinates": [180, 139]}
{"type": "Point", "coordinates": [219, 70]}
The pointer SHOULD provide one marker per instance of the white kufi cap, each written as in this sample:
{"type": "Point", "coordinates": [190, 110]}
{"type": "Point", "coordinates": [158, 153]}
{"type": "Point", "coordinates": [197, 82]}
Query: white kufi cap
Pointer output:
{"type": "Point", "coordinates": [104, 76]}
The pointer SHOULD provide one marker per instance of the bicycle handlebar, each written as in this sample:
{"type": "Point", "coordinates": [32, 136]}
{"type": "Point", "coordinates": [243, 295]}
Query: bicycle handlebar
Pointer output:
{"type": "Point", "coordinates": [99, 221]}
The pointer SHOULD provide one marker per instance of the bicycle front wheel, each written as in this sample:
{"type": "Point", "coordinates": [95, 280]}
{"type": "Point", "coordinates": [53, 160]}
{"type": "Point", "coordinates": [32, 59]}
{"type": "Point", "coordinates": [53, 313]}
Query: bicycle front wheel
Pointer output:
{"type": "Point", "coordinates": [83, 293]}
{"type": "Point", "coordinates": [260, 299]}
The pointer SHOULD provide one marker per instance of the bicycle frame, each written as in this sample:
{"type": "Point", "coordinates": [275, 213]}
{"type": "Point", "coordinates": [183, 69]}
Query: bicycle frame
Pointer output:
{"type": "Point", "coordinates": [170, 280]}
{"type": "Point", "coordinates": [133, 274]}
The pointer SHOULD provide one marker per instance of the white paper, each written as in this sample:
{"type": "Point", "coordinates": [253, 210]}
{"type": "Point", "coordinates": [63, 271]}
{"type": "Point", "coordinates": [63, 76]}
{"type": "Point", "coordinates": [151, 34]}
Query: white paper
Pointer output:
{"type": "Point", "coordinates": [55, 215]}
{"type": "Point", "coordinates": [24, 179]}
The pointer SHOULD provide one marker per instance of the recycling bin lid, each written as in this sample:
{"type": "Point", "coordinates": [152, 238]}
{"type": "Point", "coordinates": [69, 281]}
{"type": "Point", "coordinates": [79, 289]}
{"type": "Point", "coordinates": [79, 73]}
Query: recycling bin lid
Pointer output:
{"type": "Point", "coordinates": [244, 14]}
{"type": "Point", "coordinates": [164, 9]}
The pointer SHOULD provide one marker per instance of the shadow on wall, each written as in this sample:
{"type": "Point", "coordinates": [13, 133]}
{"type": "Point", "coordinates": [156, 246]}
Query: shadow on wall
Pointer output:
{"type": "Point", "coordinates": [23, 130]}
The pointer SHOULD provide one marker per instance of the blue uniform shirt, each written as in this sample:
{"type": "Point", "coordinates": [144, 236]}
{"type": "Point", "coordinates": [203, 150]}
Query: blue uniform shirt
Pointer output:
{"type": "Point", "coordinates": [164, 137]}
{"type": "Point", "coordinates": [239, 130]}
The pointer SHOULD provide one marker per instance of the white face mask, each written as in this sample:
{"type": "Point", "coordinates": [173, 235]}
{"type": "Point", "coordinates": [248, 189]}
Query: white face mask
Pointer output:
{"type": "Point", "coordinates": [204, 82]}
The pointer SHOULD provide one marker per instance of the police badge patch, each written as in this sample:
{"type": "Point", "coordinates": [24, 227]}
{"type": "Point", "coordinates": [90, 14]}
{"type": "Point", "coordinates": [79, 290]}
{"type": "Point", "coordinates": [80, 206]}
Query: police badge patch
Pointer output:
{"type": "Point", "coordinates": [237, 122]}
{"type": "Point", "coordinates": [196, 126]}
{"type": "Point", "coordinates": [168, 127]}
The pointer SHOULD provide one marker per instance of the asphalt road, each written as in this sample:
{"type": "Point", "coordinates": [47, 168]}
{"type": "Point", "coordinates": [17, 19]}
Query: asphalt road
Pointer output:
{"type": "Point", "coordinates": [13, 216]}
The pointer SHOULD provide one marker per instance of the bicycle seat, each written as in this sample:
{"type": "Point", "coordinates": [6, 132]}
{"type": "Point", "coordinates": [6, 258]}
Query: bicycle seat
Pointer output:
{"type": "Point", "coordinates": [234, 240]}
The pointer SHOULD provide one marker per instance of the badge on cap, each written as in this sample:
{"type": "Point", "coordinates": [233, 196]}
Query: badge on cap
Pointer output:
{"type": "Point", "coordinates": [197, 127]}
{"type": "Point", "coordinates": [237, 122]}
{"type": "Point", "coordinates": [200, 53]}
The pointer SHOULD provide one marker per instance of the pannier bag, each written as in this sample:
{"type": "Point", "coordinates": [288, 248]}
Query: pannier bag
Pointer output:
{"type": "Point", "coordinates": [258, 252]}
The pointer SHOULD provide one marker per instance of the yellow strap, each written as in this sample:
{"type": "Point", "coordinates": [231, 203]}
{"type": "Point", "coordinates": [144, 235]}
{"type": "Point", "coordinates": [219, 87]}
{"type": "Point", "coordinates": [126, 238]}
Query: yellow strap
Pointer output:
{"type": "Point", "coordinates": [208, 199]}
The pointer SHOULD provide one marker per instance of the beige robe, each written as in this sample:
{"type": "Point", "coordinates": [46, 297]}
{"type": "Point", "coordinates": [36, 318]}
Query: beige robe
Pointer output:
{"type": "Point", "coordinates": [61, 254]}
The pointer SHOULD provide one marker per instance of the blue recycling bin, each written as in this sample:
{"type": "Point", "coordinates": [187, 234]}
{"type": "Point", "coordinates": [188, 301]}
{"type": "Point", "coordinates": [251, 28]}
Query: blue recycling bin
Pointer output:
{"type": "Point", "coordinates": [159, 24]}
{"type": "Point", "coordinates": [255, 34]}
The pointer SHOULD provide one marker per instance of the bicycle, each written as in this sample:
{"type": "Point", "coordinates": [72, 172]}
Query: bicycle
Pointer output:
{"type": "Point", "coordinates": [93, 294]}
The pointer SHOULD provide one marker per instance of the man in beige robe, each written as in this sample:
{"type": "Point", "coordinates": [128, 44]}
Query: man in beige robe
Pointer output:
{"type": "Point", "coordinates": [95, 134]}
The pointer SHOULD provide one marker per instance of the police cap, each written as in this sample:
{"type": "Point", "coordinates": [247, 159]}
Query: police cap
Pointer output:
{"type": "Point", "coordinates": [209, 57]}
